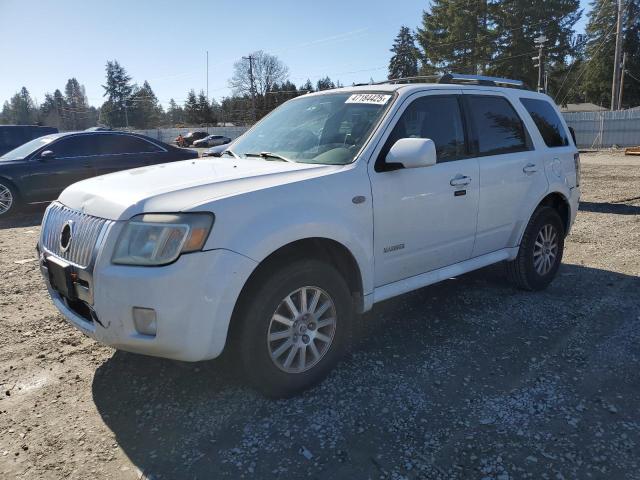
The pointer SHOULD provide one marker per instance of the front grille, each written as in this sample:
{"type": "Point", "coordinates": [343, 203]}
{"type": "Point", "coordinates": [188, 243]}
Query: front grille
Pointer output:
{"type": "Point", "coordinates": [87, 231]}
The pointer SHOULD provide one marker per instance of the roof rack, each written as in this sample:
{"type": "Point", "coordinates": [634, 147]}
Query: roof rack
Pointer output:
{"type": "Point", "coordinates": [481, 80]}
{"type": "Point", "coordinates": [450, 78]}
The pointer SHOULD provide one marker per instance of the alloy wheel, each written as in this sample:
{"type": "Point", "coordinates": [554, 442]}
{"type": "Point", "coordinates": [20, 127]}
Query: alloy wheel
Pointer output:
{"type": "Point", "coordinates": [545, 249]}
{"type": "Point", "coordinates": [6, 199]}
{"type": "Point", "coordinates": [301, 329]}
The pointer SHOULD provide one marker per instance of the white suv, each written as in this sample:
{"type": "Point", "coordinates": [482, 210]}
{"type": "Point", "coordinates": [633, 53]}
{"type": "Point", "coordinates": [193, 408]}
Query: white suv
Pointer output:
{"type": "Point", "coordinates": [333, 202]}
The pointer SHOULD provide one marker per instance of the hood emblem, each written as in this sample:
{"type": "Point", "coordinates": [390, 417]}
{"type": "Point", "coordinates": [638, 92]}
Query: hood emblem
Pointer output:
{"type": "Point", "coordinates": [66, 235]}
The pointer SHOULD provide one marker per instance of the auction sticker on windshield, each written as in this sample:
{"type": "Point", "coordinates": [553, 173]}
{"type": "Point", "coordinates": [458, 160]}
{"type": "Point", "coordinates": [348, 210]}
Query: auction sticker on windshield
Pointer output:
{"type": "Point", "coordinates": [372, 98]}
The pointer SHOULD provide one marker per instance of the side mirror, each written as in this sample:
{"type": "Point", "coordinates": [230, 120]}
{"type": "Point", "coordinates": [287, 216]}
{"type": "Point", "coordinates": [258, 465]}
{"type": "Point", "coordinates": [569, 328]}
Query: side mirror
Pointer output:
{"type": "Point", "coordinates": [47, 154]}
{"type": "Point", "coordinates": [412, 153]}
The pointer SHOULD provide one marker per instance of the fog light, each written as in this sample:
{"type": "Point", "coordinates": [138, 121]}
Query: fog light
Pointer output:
{"type": "Point", "coordinates": [144, 320]}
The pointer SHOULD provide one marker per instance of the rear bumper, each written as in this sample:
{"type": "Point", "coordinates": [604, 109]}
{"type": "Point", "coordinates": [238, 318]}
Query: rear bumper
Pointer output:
{"type": "Point", "coordinates": [193, 299]}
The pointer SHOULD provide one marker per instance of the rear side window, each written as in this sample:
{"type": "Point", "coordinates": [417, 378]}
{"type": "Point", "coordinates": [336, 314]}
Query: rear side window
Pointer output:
{"type": "Point", "coordinates": [436, 117]}
{"type": "Point", "coordinates": [548, 122]}
{"type": "Point", "coordinates": [111, 144]}
{"type": "Point", "coordinates": [498, 127]}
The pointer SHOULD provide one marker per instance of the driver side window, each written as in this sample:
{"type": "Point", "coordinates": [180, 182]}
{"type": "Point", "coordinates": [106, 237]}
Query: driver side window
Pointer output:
{"type": "Point", "coordinates": [436, 117]}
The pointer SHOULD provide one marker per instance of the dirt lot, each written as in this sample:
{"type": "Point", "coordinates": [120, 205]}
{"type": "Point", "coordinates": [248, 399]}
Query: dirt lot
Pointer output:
{"type": "Point", "coordinates": [467, 379]}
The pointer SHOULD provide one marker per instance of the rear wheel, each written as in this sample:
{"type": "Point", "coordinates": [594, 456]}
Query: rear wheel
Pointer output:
{"type": "Point", "coordinates": [8, 199]}
{"type": "Point", "coordinates": [540, 252]}
{"type": "Point", "coordinates": [294, 327]}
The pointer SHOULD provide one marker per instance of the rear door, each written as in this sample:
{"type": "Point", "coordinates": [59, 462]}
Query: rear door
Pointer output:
{"type": "Point", "coordinates": [512, 174]}
{"type": "Point", "coordinates": [122, 152]}
{"type": "Point", "coordinates": [558, 152]}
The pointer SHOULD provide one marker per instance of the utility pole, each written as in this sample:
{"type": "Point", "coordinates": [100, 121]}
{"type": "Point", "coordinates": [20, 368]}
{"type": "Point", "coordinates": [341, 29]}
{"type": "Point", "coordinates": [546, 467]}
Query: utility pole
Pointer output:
{"type": "Point", "coordinates": [624, 66]}
{"type": "Point", "coordinates": [539, 41]}
{"type": "Point", "coordinates": [615, 86]}
{"type": "Point", "coordinates": [252, 87]}
{"type": "Point", "coordinates": [126, 115]}
{"type": "Point", "coordinates": [207, 76]}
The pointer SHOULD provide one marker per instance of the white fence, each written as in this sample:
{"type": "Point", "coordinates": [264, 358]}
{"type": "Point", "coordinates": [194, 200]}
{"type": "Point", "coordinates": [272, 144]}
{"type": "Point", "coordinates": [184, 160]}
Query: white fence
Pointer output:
{"type": "Point", "coordinates": [168, 135]}
{"type": "Point", "coordinates": [605, 129]}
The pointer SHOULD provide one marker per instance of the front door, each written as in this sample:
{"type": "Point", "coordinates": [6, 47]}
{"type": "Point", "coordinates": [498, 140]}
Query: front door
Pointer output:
{"type": "Point", "coordinates": [425, 218]}
{"type": "Point", "coordinates": [73, 160]}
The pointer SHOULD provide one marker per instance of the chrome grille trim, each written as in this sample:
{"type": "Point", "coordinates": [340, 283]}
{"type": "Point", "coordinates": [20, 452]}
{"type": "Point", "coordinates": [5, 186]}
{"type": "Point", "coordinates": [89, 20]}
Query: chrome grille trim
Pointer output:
{"type": "Point", "coordinates": [88, 234]}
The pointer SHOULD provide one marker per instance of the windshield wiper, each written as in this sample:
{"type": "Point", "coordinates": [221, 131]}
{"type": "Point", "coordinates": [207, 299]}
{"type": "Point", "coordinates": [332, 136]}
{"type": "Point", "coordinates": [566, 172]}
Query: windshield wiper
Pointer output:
{"type": "Point", "coordinates": [268, 155]}
{"type": "Point", "coordinates": [229, 152]}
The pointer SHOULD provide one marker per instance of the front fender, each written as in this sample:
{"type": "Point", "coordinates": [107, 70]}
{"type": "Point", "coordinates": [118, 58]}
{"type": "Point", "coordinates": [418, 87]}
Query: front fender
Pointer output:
{"type": "Point", "coordinates": [258, 223]}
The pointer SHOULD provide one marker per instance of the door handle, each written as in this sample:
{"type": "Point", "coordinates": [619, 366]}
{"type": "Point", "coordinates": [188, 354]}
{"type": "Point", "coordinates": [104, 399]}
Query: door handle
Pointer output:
{"type": "Point", "coordinates": [460, 180]}
{"type": "Point", "coordinates": [529, 168]}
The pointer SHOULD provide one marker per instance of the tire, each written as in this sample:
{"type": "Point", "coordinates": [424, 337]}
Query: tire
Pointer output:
{"type": "Point", "coordinates": [542, 239]}
{"type": "Point", "coordinates": [269, 331]}
{"type": "Point", "coordinates": [9, 199]}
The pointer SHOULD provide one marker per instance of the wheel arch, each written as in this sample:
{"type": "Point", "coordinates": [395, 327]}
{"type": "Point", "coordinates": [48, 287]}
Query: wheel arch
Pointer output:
{"type": "Point", "coordinates": [11, 183]}
{"type": "Point", "coordinates": [320, 248]}
{"type": "Point", "coordinates": [560, 203]}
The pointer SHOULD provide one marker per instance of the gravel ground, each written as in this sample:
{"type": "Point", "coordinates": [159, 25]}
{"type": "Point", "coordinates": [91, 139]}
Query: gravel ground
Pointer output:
{"type": "Point", "coordinates": [470, 378]}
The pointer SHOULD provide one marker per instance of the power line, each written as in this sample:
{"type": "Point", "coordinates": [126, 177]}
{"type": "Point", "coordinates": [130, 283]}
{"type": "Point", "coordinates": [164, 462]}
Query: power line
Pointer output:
{"type": "Point", "coordinates": [590, 59]}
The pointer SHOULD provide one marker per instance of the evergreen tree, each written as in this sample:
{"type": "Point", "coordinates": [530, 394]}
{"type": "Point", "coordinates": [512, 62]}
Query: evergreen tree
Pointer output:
{"type": "Point", "coordinates": [325, 84]}
{"type": "Point", "coordinates": [456, 36]}
{"type": "Point", "coordinates": [20, 110]}
{"type": "Point", "coordinates": [175, 115]}
{"type": "Point", "coordinates": [75, 107]}
{"type": "Point", "coordinates": [518, 23]}
{"type": "Point", "coordinates": [145, 111]}
{"type": "Point", "coordinates": [598, 67]}
{"type": "Point", "coordinates": [204, 109]}
{"type": "Point", "coordinates": [404, 62]}
{"type": "Point", "coordinates": [191, 114]}
{"type": "Point", "coordinates": [631, 45]}
{"type": "Point", "coordinates": [307, 87]}
{"type": "Point", "coordinates": [53, 110]}
{"type": "Point", "coordinates": [118, 90]}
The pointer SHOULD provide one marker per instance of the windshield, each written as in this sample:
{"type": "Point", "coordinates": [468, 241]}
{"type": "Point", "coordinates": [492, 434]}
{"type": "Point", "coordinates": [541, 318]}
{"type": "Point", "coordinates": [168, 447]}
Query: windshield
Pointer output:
{"type": "Point", "coordinates": [327, 129]}
{"type": "Point", "coordinates": [26, 149]}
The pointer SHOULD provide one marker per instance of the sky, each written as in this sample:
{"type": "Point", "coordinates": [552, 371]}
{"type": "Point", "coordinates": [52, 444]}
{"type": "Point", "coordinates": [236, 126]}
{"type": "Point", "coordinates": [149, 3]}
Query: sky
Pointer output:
{"type": "Point", "coordinates": [46, 42]}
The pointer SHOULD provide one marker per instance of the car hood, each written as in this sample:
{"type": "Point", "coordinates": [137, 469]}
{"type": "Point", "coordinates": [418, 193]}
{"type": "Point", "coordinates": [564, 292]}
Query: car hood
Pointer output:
{"type": "Point", "coordinates": [181, 186]}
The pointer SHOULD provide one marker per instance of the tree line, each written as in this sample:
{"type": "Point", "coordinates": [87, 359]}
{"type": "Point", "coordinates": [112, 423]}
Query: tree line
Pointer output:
{"type": "Point", "coordinates": [128, 105]}
{"type": "Point", "coordinates": [492, 37]}
{"type": "Point", "coordinates": [497, 38]}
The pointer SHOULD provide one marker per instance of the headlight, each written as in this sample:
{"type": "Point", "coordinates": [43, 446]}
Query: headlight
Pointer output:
{"type": "Point", "coordinates": [158, 239]}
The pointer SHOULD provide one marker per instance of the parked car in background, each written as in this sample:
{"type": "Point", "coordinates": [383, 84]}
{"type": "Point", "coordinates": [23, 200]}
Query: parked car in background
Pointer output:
{"type": "Point", "coordinates": [12, 136]}
{"type": "Point", "coordinates": [188, 139]}
{"type": "Point", "coordinates": [212, 141]}
{"type": "Point", "coordinates": [215, 151]}
{"type": "Point", "coordinates": [335, 201]}
{"type": "Point", "coordinates": [40, 169]}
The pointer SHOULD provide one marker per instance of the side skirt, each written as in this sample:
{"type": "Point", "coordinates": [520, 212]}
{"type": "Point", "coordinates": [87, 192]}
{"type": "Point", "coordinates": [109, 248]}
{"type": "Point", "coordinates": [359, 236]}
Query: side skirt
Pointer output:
{"type": "Point", "coordinates": [418, 281]}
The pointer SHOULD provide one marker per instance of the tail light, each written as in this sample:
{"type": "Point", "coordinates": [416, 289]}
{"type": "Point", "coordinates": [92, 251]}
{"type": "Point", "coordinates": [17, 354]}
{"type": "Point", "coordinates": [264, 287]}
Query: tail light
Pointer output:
{"type": "Point", "coordinates": [576, 161]}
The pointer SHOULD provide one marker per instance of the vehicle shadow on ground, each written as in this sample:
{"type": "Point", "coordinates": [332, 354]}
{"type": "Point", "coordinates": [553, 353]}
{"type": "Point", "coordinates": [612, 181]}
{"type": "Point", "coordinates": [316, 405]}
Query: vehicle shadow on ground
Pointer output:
{"type": "Point", "coordinates": [30, 217]}
{"type": "Point", "coordinates": [179, 420]}
{"type": "Point", "coordinates": [613, 208]}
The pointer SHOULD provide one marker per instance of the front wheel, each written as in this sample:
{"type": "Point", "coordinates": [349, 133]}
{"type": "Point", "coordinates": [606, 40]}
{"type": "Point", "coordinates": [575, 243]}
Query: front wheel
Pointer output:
{"type": "Point", "coordinates": [294, 327]}
{"type": "Point", "coordinates": [540, 252]}
{"type": "Point", "coordinates": [8, 200]}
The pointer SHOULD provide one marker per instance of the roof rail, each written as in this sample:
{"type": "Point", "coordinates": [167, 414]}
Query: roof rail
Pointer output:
{"type": "Point", "coordinates": [481, 80]}
{"type": "Point", "coordinates": [449, 78]}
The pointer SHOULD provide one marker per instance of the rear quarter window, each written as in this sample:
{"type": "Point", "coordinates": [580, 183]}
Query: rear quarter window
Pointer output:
{"type": "Point", "coordinates": [547, 121]}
